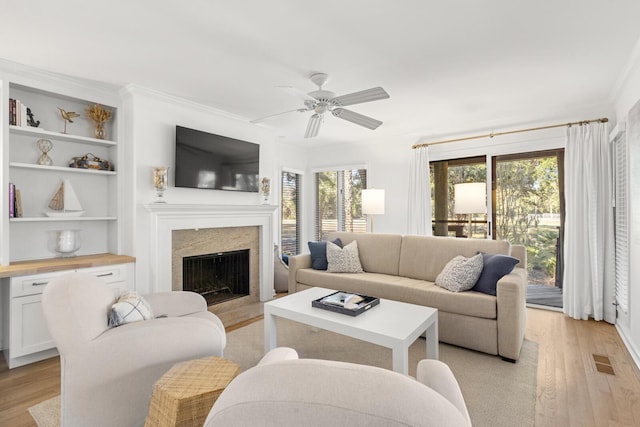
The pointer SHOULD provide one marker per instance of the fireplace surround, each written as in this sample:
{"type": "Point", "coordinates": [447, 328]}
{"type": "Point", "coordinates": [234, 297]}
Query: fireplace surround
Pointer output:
{"type": "Point", "coordinates": [164, 218]}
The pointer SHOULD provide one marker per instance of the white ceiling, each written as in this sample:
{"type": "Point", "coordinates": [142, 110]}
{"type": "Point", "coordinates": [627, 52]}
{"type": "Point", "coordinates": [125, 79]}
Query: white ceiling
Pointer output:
{"type": "Point", "coordinates": [449, 66]}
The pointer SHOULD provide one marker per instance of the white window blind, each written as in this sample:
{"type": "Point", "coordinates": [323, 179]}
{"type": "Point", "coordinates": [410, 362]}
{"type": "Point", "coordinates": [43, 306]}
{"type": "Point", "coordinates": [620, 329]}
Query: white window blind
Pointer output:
{"type": "Point", "coordinates": [339, 202]}
{"type": "Point", "coordinates": [622, 222]}
{"type": "Point", "coordinates": [290, 225]}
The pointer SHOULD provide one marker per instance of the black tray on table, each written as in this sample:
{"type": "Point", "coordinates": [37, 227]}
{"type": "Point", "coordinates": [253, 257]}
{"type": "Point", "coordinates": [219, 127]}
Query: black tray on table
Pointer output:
{"type": "Point", "coordinates": [331, 302]}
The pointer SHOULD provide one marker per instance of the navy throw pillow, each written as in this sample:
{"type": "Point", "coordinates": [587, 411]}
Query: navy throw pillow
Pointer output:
{"type": "Point", "coordinates": [285, 258]}
{"type": "Point", "coordinates": [318, 252]}
{"type": "Point", "coordinates": [495, 266]}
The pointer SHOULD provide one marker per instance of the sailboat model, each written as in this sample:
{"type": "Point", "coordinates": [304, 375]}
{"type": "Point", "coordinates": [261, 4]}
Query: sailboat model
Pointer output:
{"type": "Point", "coordinates": [65, 202]}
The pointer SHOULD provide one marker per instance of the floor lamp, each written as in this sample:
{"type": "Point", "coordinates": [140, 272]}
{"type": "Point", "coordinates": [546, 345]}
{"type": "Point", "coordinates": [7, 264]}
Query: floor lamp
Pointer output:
{"type": "Point", "coordinates": [372, 203]}
{"type": "Point", "coordinates": [470, 198]}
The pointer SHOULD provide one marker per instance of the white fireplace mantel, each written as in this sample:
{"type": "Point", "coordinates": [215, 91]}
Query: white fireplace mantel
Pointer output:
{"type": "Point", "coordinates": [166, 217]}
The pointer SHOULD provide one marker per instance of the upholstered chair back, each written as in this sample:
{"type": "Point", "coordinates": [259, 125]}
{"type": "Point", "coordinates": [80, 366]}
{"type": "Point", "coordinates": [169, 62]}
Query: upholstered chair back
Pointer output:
{"type": "Point", "coordinates": [77, 309]}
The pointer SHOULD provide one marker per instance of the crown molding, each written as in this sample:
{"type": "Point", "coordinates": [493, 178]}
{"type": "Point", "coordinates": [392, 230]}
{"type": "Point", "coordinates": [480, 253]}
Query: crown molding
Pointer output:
{"type": "Point", "coordinates": [133, 89]}
{"type": "Point", "coordinates": [38, 74]}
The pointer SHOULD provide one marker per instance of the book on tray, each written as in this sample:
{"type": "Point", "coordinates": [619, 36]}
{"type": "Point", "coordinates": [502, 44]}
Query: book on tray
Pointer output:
{"type": "Point", "coordinates": [348, 303]}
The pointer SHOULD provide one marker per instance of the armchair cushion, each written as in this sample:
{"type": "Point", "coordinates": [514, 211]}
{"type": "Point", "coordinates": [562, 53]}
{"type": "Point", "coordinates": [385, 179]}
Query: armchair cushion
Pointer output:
{"type": "Point", "coordinates": [129, 308]}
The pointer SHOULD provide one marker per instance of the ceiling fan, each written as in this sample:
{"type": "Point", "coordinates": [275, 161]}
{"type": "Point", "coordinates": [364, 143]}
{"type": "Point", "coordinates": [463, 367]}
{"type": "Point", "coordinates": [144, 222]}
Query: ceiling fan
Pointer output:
{"type": "Point", "coordinates": [320, 101]}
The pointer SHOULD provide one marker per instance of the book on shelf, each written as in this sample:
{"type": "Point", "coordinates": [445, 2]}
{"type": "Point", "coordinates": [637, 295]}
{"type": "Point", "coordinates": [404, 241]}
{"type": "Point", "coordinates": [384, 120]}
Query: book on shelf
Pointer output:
{"type": "Point", "coordinates": [15, 202]}
{"type": "Point", "coordinates": [12, 197]}
{"type": "Point", "coordinates": [18, 113]}
{"type": "Point", "coordinates": [18, 204]}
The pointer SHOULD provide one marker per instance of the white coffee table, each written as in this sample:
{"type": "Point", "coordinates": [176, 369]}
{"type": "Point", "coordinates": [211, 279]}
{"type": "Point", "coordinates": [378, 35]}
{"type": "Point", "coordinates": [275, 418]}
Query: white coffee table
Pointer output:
{"type": "Point", "coordinates": [392, 324]}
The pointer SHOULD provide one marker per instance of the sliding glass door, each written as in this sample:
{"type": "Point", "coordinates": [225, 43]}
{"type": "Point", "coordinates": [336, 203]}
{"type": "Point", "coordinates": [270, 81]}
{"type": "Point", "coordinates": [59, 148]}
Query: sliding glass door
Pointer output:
{"type": "Point", "coordinates": [528, 209]}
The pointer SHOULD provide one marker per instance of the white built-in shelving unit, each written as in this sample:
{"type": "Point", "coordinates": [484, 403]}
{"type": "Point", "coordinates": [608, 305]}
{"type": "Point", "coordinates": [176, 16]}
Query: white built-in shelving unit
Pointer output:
{"type": "Point", "coordinates": [32, 236]}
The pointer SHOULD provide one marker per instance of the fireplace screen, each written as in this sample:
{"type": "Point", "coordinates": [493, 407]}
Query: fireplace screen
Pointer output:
{"type": "Point", "coordinates": [217, 277]}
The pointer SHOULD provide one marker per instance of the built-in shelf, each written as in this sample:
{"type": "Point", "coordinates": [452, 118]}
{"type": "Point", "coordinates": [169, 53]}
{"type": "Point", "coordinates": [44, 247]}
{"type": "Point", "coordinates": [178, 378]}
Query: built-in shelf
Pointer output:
{"type": "Point", "coordinates": [60, 168]}
{"type": "Point", "coordinates": [59, 136]}
{"type": "Point", "coordinates": [58, 219]}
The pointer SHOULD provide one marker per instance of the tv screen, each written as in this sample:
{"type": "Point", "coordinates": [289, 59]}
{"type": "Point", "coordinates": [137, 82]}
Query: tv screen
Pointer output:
{"type": "Point", "coordinates": [206, 160]}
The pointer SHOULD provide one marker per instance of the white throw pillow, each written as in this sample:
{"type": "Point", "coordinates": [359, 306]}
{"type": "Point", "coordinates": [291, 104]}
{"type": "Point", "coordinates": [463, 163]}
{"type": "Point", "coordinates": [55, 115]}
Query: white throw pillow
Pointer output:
{"type": "Point", "coordinates": [460, 274]}
{"type": "Point", "coordinates": [129, 308]}
{"type": "Point", "coordinates": [343, 260]}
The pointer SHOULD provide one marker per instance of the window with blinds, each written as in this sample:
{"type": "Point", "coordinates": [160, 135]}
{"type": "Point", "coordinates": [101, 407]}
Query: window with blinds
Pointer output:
{"type": "Point", "coordinates": [622, 223]}
{"type": "Point", "coordinates": [339, 202]}
{"type": "Point", "coordinates": [290, 222]}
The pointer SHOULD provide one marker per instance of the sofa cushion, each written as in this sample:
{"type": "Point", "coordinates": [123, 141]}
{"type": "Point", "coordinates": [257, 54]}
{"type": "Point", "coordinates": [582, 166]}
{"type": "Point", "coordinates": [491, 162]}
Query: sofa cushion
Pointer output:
{"type": "Point", "coordinates": [379, 253]}
{"type": "Point", "coordinates": [318, 251]}
{"type": "Point", "coordinates": [343, 260]}
{"type": "Point", "coordinates": [424, 257]}
{"type": "Point", "coordinates": [460, 274]}
{"type": "Point", "coordinates": [495, 267]}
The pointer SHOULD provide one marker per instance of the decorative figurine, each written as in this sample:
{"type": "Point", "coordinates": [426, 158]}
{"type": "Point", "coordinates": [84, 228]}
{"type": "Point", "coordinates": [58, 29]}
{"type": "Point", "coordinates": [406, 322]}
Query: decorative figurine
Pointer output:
{"type": "Point", "coordinates": [45, 146]}
{"type": "Point", "coordinates": [99, 116]}
{"type": "Point", "coordinates": [67, 116]}
{"type": "Point", "coordinates": [30, 120]}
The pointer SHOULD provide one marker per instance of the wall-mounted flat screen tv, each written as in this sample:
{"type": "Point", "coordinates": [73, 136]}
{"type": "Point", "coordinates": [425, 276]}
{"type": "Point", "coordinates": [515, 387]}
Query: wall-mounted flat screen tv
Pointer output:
{"type": "Point", "coordinates": [206, 160]}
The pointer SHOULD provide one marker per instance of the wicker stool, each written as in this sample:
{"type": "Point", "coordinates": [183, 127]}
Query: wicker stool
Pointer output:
{"type": "Point", "coordinates": [185, 394]}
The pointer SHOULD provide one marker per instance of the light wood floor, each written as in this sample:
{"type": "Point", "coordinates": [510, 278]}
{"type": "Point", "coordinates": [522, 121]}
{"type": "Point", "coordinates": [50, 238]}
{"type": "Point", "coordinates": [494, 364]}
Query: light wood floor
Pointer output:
{"type": "Point", "coordinates": [571, 391]}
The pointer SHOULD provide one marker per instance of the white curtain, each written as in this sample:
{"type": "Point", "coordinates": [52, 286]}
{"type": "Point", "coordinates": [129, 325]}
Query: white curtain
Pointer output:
{"type": "Point", "coordinates": [589, 251]}
{"type": "Point", "coordinates": [419, 209]}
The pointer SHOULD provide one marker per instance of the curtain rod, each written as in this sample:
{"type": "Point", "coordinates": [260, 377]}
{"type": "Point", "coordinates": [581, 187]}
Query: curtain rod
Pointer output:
{"type": "Point", "coordinates": [492, 134]}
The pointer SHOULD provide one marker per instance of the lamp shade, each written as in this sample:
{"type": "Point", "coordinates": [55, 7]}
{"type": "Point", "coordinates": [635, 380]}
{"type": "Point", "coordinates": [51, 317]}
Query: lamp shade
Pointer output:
{"type": "Point", "coordinates": [372, 201]}
{"type": "Point", "coordinates": [470, 198]}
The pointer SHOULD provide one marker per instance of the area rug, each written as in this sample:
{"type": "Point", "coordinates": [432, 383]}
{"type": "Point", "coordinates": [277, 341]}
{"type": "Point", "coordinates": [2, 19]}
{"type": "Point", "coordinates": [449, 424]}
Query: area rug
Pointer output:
{"type": "Point", "coordinates": [497, 393]}
{"type": "Point", "coordinates": [47, 413]}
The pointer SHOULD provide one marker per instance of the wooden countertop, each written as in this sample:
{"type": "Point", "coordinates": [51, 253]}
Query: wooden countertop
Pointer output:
{"type": "Point", "coordinates": [38, 266]}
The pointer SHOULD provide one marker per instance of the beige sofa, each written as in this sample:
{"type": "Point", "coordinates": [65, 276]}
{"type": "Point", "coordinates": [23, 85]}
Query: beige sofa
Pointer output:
{"type": "Point", "coordinates": [404, 268]}
{"type": "Point", "coordinates": [286, 391]}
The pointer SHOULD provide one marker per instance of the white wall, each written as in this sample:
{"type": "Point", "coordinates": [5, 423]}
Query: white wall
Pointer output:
{"type": "Point", "coordinates": [151, 118]}
{"type": "Point", "coordinates": [626, 98]}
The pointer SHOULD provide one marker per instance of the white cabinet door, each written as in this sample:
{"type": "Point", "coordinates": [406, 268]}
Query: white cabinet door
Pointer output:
{"type": "Point", "coordinates": [29, 332]}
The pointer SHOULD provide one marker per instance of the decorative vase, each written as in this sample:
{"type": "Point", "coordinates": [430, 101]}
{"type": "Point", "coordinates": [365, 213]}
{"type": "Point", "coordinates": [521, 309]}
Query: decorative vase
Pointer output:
{"type": "Point", "coordinates": [100, 132]}
{"type": "Point", "coordinates": [68, 242]}
{"type": "Point", "coordinates": [160, 179]}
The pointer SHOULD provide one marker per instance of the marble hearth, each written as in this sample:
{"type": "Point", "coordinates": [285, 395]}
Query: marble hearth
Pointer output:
{"type": "Point", "coordinates": [201, 228]}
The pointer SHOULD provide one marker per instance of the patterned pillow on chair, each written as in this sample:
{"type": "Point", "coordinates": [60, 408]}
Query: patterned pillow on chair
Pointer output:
{"type": "Point", "coordinates": [129, 308]}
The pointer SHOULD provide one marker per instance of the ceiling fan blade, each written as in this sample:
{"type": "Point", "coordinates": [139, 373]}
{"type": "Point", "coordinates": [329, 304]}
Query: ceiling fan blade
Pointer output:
{"type": "Point", "coordinates": [357, 118]}
{"type": "Point", "coordinates": [367, 95]}
{"type": "Point", "coordinates": [313, 127]}
{"type": "Point", "coordinates": [297, 93]}
{"type": "Point", "coordinates": [261, 119]}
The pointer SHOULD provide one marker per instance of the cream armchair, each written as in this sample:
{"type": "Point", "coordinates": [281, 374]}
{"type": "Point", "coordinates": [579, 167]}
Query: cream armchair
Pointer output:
{"type": "Point", "coordinates": [107, 374]}
{"type": "Point", "coordinates": [286, 391]}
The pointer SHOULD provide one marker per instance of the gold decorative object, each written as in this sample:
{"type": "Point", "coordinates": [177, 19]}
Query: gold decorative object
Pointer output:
{"type": "Point", "coordinates": [266, 189]}
{"type": "Point", "coordinates": [100, 116]}
{"type": "Point", "coordinates": [160, 180]}
{"type": "Point", "coordinates": [67, 116]}
{"type": "Point", "coordinates": [45, 146]}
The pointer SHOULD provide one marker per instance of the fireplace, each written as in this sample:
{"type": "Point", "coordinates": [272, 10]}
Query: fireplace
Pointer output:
{"type": "Point", "coordinates": [179, 230]}
{"type": "Point", "coordinates": [218, 277]}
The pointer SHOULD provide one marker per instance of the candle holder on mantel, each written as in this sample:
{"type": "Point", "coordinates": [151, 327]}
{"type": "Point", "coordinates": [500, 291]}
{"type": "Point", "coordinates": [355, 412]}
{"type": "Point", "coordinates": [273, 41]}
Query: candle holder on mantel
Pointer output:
{"type": "Point", "coordinates": [160, 179]}
{"type": "Point", "coordinates": [266, 190]}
